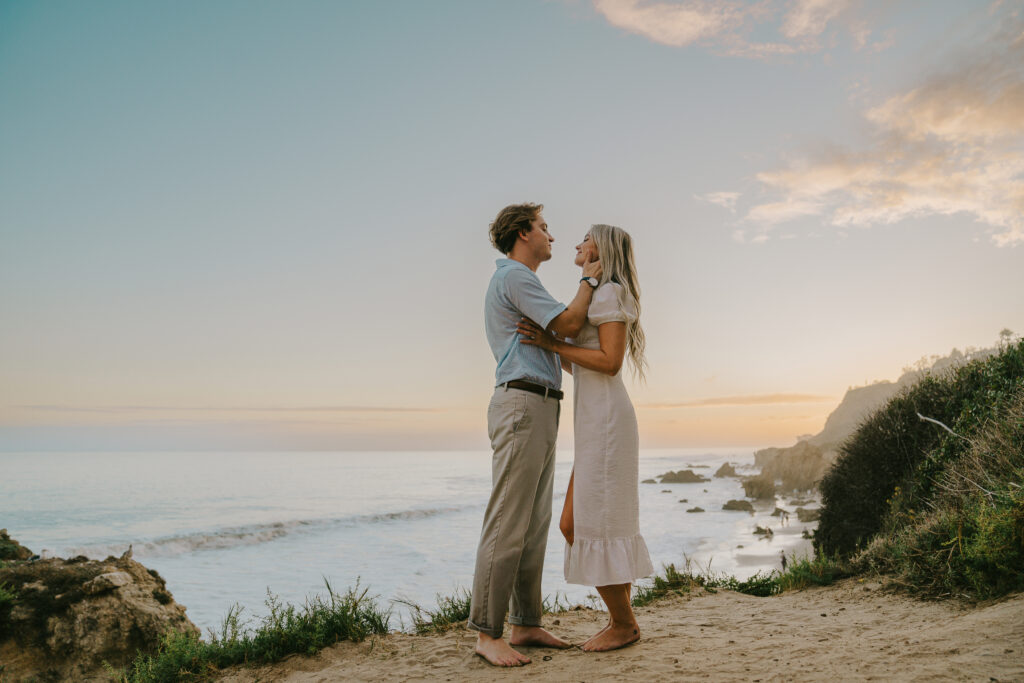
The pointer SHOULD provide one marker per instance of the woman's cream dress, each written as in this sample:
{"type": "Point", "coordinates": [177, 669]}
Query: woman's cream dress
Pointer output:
{"type": "Point", "coordinates": [607, 546]}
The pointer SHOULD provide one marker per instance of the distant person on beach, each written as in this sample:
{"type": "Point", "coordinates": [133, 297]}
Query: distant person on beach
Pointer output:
{"type": "Point", "coordinates": [522, 422]}
{"type": "Point", "coordinates": [601, 516]}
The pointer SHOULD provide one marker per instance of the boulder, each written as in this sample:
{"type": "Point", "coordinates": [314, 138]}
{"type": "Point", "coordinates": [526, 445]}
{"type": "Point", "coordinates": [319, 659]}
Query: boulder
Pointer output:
{"type": "Point", "coordinates": [726, 470]}
{"type": "Point", "coordinates": [682, 477]}
{"type": "Point", "coordinates": [697, 509]}
{"type": "Point", "coordinates": [761, 487]}
{"type": "Point", "coordinates": [741, 505]}
{"type": "Point", "coordinates": [69, 616]}
{"type": "Point", "coordinates": [805, 515]}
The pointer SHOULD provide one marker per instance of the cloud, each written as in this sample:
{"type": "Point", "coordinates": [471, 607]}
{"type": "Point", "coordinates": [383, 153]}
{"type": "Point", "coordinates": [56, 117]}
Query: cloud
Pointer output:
{"type": "Point", "coordinates": [953, 145]}
{"type": "Point", "coordinates": [810, 17]}
{"type": "Point", "coordinates": [726, 26]}
{"type": "Point", "coordinates": [671, 23]}
{"type": "Point", "coordinates": [724, 199]}
{"type": "Point", "coordinates": [748, 400]}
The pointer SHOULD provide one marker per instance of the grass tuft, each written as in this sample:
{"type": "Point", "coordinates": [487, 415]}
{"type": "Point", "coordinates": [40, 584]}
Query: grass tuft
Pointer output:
{"type": "Point", "coordinates": [284, 631]}
{"type": "Point", "coordinates": [800, 573]}
{"type": "Point", "coordinates": [451, 610]}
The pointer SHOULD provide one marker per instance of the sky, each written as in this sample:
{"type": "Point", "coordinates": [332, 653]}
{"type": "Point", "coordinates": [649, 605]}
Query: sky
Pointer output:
{"type": "Point", "coordinates": [254, 225]}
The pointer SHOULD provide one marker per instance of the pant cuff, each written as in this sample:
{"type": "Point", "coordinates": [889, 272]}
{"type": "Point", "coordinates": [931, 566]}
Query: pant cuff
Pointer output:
{"type": "Point", "coordinates": [524, 621]}
{"type": "Point", "coordinates": [492, 632]}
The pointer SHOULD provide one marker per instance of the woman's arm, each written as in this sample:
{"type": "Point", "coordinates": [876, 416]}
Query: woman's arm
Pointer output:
{"type": "Point", "coordinates": [607, 359]}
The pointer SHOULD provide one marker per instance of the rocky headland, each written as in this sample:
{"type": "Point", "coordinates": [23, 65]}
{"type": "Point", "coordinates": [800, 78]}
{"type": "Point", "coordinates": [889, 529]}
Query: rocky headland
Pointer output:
{"type": "Point", "coordinates": [67, 617]}
{"type": "Point", "coordinates": [800, 467]}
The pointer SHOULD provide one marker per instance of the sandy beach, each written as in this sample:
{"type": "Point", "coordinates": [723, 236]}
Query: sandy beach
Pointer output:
{"type": "Point", "coordinates": [853, 630]}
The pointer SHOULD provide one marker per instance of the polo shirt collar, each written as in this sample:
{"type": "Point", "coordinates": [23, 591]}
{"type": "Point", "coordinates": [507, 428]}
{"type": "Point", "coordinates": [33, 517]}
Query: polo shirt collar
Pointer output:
{"type": "Point", "coordinates": [511, 263]}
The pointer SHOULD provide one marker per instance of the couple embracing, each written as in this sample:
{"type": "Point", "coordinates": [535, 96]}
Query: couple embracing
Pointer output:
{"type": "Point", "coordinates": [533, 338]}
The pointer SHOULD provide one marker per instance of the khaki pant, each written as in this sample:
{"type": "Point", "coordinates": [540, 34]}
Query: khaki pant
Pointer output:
{"type": "Point", "coordinates": [510, 558]}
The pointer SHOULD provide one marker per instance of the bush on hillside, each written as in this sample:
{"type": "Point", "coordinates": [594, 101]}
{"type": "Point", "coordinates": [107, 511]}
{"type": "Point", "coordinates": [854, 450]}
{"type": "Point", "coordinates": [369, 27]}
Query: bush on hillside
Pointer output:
{"type": "Point", "coordinates": [971, 542]}
{"type": "Point", "coordinates": [889, 468]}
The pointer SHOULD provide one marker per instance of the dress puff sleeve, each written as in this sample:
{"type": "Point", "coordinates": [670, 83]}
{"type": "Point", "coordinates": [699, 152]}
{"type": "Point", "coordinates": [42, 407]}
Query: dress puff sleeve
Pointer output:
{"type": "Point", "coordinates": [611, 303]}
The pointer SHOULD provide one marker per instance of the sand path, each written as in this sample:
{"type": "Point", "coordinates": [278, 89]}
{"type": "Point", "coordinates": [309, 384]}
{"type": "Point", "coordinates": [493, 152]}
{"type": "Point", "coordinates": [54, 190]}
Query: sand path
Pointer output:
{"type": "Point", "coordinates": [850, 631]}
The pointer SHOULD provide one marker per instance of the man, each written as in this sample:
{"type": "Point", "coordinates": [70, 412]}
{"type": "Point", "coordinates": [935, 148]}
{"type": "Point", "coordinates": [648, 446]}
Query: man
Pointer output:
{"type": "Point", "coordinates": [522, 422]}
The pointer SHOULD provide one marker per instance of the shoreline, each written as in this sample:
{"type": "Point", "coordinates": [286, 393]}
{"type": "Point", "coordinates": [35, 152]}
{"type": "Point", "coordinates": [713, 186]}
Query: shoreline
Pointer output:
{"type": "Point", "coordinates": [854, 629]}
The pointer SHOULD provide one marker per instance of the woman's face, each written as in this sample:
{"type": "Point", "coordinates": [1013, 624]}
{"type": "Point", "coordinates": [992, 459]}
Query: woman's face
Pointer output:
{"type": "Point", "coordinates": [586, 251]}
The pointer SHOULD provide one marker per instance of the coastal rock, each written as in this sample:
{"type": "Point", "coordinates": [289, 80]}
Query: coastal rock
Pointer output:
{"type": "Point", "coordinates": [682, 477]}
{"type": "Point", "coordinates": [798, 468]}
{"type": "Point", "coordinates": [779, 512]}
{"type": "Point", "coordinates": [106, 582]}
{"type": "Point", "coordinates": [697, 509]}
{"type": "Point", "coordinates": [741, 505]}
{"type": "Point", "coordinates": [760, 487]}
{"type": "Point", "coordinates": [69, 616]}
{"type": "Point", "coordinates": [683, 500]}
{"type": "Point", "coordinates": [763, 531]}
{"type": "Point", "coordinates": [726, 470]}
{"type": "Point", "coordinates": [648, 481]}
{"type": "Point", "coordinates": [11, 549]}
{"type": "Point", "coordinates": [805, 515]}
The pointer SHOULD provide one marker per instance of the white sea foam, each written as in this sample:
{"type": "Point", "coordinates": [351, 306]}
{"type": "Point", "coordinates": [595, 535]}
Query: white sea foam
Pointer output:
{"type": "Point", "coordinates": [253, 534]}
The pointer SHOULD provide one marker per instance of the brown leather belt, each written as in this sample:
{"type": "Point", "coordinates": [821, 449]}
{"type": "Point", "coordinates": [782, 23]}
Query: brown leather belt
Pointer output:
{"type": "Point", "coordinates": [535, 388]}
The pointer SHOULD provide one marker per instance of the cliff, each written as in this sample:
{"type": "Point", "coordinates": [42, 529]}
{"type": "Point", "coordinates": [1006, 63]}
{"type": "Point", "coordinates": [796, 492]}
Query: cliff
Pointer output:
{"type": "Point", "coordinates": [62, 619]}
{"type": "Point", "coordinates": [802, 465]}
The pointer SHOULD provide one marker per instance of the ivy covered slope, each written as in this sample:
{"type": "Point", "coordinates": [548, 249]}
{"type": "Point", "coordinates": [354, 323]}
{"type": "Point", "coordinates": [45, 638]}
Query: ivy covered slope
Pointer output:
{"type": "Point", "coordinates": [939, 506]}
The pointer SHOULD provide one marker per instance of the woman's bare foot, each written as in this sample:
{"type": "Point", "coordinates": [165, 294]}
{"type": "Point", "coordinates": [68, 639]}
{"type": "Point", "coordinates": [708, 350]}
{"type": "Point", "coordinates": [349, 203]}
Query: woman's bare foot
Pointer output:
{"type": "Point", "coordinates": [535, 635]}
{"type": "Point", "coordinates": [613, 637]}
{"type": "Point", "coordinates": [498, 652]}
{"type": "Point", "coordinates": [591, 638]}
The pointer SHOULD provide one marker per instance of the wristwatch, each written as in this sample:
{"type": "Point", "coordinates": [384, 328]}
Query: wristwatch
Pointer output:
{"type": "Point", "coordinates": [592, 281]}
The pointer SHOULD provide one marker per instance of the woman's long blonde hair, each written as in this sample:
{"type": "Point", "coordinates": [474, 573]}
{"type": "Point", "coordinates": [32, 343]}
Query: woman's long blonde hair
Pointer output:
{"type": "Point", "coordinates": [615, 249]}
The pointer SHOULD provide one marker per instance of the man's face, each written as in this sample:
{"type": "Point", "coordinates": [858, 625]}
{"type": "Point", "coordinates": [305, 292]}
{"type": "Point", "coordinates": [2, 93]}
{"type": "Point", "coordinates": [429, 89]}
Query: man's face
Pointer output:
{"type": "Point", "coordinates": [539, 239]}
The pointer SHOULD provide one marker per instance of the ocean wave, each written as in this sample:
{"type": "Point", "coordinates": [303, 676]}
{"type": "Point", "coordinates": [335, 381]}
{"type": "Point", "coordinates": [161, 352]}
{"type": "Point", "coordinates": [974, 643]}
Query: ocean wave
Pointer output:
{"type": "Point", "coordinates": [252, 534]}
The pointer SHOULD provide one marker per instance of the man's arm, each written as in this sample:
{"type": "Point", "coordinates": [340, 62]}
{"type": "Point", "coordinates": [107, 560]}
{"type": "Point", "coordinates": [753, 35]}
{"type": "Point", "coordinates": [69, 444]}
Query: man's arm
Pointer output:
{"type": "Point", "coordinates": [569, 322]}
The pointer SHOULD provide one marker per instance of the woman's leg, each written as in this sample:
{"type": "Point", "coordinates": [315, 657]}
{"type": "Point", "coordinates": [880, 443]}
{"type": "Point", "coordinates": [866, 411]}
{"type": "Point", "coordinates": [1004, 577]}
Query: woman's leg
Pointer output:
{"type": "Point", "coordinates": [622, 629]}
{"type": "Point", "coordinates": [566, 524]}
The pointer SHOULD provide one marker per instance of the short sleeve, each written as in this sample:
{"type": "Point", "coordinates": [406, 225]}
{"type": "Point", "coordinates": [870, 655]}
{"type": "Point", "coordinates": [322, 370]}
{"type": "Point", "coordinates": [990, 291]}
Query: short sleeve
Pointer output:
{"type": "Point", "coordinates": [528, 295]}
{"type": "Point", "coordinates": [611, 304]}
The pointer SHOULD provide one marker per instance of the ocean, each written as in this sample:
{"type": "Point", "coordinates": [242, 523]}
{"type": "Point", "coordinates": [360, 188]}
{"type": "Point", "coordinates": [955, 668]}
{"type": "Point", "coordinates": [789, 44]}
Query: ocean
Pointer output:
{"type": "Point", "coordinates": [226, 528]}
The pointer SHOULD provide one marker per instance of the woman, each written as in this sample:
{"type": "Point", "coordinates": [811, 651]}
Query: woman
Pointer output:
{"type": "Point", "coordinates": [600, 519]}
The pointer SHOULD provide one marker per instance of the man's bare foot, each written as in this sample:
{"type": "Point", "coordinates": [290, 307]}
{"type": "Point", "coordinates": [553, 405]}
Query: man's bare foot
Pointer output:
{"type": "Point", "coordinates": [498, 652]}
{"type": "Point", "coordinates": [613, 637]}
{"type": "Point", "coordinates": [535, 635]}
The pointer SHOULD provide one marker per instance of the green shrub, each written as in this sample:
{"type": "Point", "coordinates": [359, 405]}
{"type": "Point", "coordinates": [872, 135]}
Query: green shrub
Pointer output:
{"type": "Point", "coordinates": [970, 541]}
{"type": "Point", "coordinates": [7, 598]}
{"type": "Point", "coordinates": [887, 470]}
